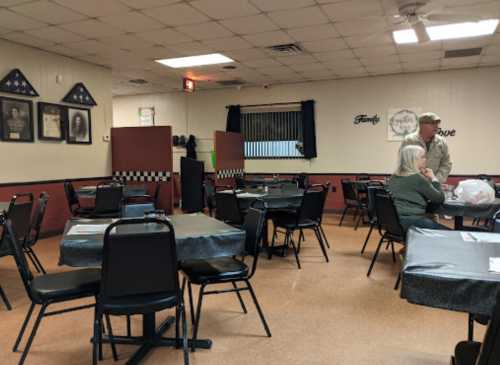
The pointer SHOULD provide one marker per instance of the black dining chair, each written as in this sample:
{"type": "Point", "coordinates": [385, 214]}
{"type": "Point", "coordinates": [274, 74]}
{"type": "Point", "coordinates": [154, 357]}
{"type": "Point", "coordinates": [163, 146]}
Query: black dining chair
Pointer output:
{"type": "Point", "coordinates": [372, 190]}
{"type": "Point", "coordinates": [495, 227]}
{"type": "Point", "coordinates": [73, 201]}
{"type": "Point", "coordinates": [153, 198]}
{"type": "Point", "coordinates": [477, 353]}
{"type": "Point", "coordinates": [307, 216]}
{"type": "Point", "coordinates": [209, 190]}
{"type": "Point", "coordinates": [351, 200]}
{"type": "Point", "coordinates": [108, 201]}
{"type": "Point", "coordinates": [228, 270]}
{"type": "Point", "coordinates": [5, 299]}
{"type": "Point", "coordinates": [389, 226]}
{"type": "Point", "coordinates": [34, 232]}
{"type": "Point", "coordinates": [49, 289]}
{"type": "Point", "coordinates": [363, 177]}
{"type": "Point", "coordinates": [302, 180]}
{"type": "Point", "coordinates": [148, 246]}
{"type": "Point", "coordinates": [228, 208]}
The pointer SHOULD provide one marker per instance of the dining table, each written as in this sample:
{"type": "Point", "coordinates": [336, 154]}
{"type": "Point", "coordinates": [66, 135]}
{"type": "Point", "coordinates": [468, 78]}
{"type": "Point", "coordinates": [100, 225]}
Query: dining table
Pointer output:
{"type": "Point", "coordinates": [197, 236]}
{"type": "Point", "coordinates": [459, 209]}
{"type": "Point", "coordinates": [129, 191]}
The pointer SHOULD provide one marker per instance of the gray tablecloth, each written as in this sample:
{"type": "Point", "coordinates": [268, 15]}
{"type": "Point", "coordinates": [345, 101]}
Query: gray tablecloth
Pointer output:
{"type": "Point", "coordinates": [457, 208]}
{"type": "Point", "coordinates": [443, 270]}
{"type": "Point", "coordinates": [197, 237]}
{"type": "Point", "coordinates": [266, 181]}
{"type": "Point", "coordinates": [276, 198]}
{"type": "Point", "coordinates": [129, 191]}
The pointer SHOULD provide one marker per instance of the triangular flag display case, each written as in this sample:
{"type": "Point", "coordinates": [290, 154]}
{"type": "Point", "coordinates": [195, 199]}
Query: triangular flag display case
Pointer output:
{"type": "Point", "coordinates": [79, 95]}
{"type": "Point", "coordinates": [16, 83]}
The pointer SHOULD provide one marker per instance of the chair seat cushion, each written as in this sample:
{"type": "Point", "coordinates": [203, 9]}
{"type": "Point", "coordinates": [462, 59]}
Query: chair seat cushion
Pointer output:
{"type": "Point", "coordinates": [289, 221]}
{"type": "Point", "coordinates": [66, 285]}
{"type": "Point", "coordinates": [466, 352]}
{"type": "Point", "coordinates": [214, 270]}
{"type": "Point", "coordinates": [139, 304]}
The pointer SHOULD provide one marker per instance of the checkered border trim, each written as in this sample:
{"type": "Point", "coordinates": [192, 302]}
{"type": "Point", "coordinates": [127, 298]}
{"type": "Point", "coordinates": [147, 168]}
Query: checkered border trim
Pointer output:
{"type": "Point", "coordinates": [229, 173]}
{"type": "Point", "coordinates": [144, 176]}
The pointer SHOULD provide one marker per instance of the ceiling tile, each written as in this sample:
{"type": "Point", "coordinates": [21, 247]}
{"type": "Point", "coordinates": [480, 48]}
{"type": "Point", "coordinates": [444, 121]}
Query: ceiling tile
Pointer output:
{"type": "Point", "coordinates": [92, 29]}
{"type": "Point", "coordinates": [334, 55]}
{"type": "Point", "coordinates": [317, 74]}
{"type": "Point", "coordinates": [298, 17]}
{"type": "Point", "coordinates": [165, 36]}
{"type": "Point", "coordinates": [205, 31]}
{"type": "Point", "coordinates": [14, 21]}
{"type": "Point", "coordinates": [7, 3]}
{"type": "Point", "coordinates": [48, 12]}
{"type": "Point", "coordinates": [474, 60]}
{"type": "Point", "coordinates": [325, 45]}
{"type": "Point", "coordinates": [4, 30]}
{"type": "Point", "coordinates": [476, 42]}
{"type": "Point", "coordinates": [277, 70]}
{"type": "Point", "coordinates": [227, 44]}
{"type": "Point", "coordinates": [155, 52]}
{"type": "Point", "coordinates": [366, 26]}
{"type": "Point", "coordinates": [493, 50]}
{"type": "Point", "coordinates": [177, 14]}
{"type": "Point", "coordinates": [268, 39]}
{"type": "Point", "coordinates": [246, 54]}
{"type": "Point", "coordinates": [223, 9]}
{"type": "Point", "coordinates": [192, 48]}
{"type": "Point", "coordinates": [427, 64]}
{"type": "Point", "coordinates": [127, 41]}
{"type": "Point", "coordinates": [385, 68]}
{"type": "Point", "coordinates": [342, 63]}
{"type": "Point", "coordinates": [28, 40]}
{"type": "Point", "coordinates": [90, 46]}
{"type": "Point", "coordinates": [95, 8]}
{"type": "Point", "coordinates": [261, 63]}
{"type": "Point", "coordinates": [132, 22]}
{"type": "Point", "coordinates": [295, 60]}
{"type": "Point", "coordinates": [358, 41]}
{"type": "Point", "coordinates": [266, 5]}
{"type": "Point", "coordinates": [250, 24]}
{"type": "Point", "coordinates": [55, 34]}
{"type": "Point", "coordinates": [378, 52]}
{"type": "Point", "coordinates": [415, 47]}
{"type": "Point", "coordinates": [146, 4]}
{"type": "Point", "coordinates": [352, 9]}
{"type": "Point", "coordinates": [490, 60]}
{"type": "Point", "coordinates": [316, 32]}
{"type": "Point", "coordinates": [66, 51]}
{"type": "Point", "coordinates": [415, 57]}
{"type": "Point", "coordinates": [308, 67]}
{"type": "Point", "coordinates": [380, 60]}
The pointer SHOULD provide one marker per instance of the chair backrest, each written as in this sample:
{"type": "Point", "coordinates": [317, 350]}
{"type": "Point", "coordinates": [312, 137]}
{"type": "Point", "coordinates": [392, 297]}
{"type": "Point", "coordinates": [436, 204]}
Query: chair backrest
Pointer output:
{"type": "Point", "coordinates": [495, 227]}
{"type": "Point", "coordinates": [312, 203]}
{"type": "Point", "coordinates": [227, 208]}
{"type": "Point", "coordinates": [139, 258]}
{"type": "Point", "coordinates": [209, 189]}
{"type": "Point", "coordinates": [490, 349]}
{"type": "Point", "coordinates": [108, 198]}
{"type": "Point", "coordinates": [302, 180]}
{"type": "Point", "coordinates": [37, 219]}
{"type": "Point", "coordinates": [363, 177]}
{"type": "Point", "coordinates": [387, 215]}
{"type": "Point", "coordinates": [18, 252]}
{"type": "Point", "coordinates": [253, 226]}
{"type": "Point", "coordinates": [19, 213]}
{"type": "Point", "coordinates": [239, 181]}
{"type": "Point", "coordinates": [372, 190]}
{"type": "Point", "coordinates": [71, 196]}
{"type": "Point", "coordinates": [156, 195]}
{"type": "Point", "coordinates": [348, 190]}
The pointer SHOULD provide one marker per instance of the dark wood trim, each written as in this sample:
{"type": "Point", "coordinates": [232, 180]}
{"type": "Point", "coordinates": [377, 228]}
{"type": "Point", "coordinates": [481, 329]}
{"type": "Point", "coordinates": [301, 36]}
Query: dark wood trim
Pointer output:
{"type": "Point", "coordinates": [58, 181]}
{"type": "Point", "coordinates": [347, 174]}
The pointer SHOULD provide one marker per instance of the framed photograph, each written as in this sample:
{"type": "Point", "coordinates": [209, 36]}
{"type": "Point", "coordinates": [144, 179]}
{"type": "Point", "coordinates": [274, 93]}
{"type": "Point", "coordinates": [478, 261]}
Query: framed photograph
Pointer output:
{"type": "Point", "coordinates": [51, 121]}
{"type": "Point", "coordinates": [79, 128]}
{"type": "Point", "coordinates": [16, 120]}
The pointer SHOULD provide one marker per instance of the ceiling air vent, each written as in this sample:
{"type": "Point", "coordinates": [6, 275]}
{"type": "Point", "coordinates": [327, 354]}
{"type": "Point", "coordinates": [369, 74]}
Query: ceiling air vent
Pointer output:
{"type": "Point", "coordinates": [468, 52]}
{"type": "Point", "coordinates": [230, 82]}
{"type": "Point", "coordinates": [289, 49]}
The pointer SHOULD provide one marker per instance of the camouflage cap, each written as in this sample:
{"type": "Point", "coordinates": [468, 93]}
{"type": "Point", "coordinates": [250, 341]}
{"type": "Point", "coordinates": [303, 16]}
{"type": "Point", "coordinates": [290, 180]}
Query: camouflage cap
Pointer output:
{"type": "Point", "coordinates": [429, 118]}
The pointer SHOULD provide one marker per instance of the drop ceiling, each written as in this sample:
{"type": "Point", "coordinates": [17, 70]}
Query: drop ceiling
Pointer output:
{"type": "Point", "coordinates": [339, 38]}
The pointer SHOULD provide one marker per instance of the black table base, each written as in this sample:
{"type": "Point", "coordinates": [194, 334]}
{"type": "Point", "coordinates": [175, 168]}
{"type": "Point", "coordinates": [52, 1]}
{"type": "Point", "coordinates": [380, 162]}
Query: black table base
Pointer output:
{"type": "Point", "coordinates": [152, 338]}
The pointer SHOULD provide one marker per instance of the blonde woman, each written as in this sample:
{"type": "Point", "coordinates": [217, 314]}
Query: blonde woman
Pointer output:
{"type": "Point", "coordinates": [413, 186]}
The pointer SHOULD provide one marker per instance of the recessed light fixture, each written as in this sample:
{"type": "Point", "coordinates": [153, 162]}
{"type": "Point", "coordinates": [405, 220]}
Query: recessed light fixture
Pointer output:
{"type": "Point", "coordinates": [193, 61]}
{"type": "Point", "coordinates": [405, 36]}
{"type": "Point", "coordinates": [462, 30]}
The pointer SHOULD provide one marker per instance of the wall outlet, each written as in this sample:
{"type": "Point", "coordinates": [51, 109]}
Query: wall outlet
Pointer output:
{"type": "Point", "coordinates": [106, 138]}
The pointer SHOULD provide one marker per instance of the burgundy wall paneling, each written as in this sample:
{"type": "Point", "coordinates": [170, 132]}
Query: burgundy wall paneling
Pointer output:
{"type": "Point", "coordinates": [229, 156]}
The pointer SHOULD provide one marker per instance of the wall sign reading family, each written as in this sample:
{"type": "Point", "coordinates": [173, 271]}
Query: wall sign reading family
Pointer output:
{"type": "Point", "coordinates": [363, 118]}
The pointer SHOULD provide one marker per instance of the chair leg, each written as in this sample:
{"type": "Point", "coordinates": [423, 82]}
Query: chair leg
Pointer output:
{"type": "Point", "coordinates": [360, 217]}
{"type": "Point", "coordinates": [23, 327]}
{"type": "Point", "coordinates": [27, 253]}
{"type": "Point", "coordinates": [111, 338]}
{"type": "Point", "coordinates": [273, 241]}
{"type": "Point", "coordinates": [129, 326]}
{"type": "Point", "coordinates": [242, 303]}
{"type": "Point", "coordinates": [470, 329]}
{"type": "Point", "coordinates": [34, 259]}
{"type": "Point", "coordinates": [393, 252]}
{"type": "Point", "coordinates": [96, 339]}
{"type": "Point", "coordinates": [33, 333]}
{"type": "Point", "coordinates": [40, 266]}
{"type": "Point", "coordinates": [301, 236]}
{"type": "Point", "coordinates": [321, 243]}
{"type": "Point", "coordinates": [191, 304]}
{"type": "Point", "coordinates": [290, 240]}
{"type": "Point", "coordinates": [375, 256]}
{"type": "Point", "coordinates": [398, 281]}
{"type": "Point", "coordinates": [5, 299]}
{"type": "Point", "coordinates": [343, 215]}
{"type": "Point", "coordinates": [198, 316]}
{"type": "Point", "coordinates": [185, 345]}
{"type": "Point", "coordinates": [367, 238]}
{"type": "Point", "coordinates": [324, 236]}
{"type": "Point", "coordinates": [259, 310]}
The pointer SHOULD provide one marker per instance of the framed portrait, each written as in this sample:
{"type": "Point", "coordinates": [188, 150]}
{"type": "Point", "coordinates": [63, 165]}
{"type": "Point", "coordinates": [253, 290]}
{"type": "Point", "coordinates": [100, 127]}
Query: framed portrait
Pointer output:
{"type": "Point", "coordinates": [16, 120]}
{"type": "Point", "coordinates": [51, 121]}
{"type": "Point", "coordinates": [79, 127]}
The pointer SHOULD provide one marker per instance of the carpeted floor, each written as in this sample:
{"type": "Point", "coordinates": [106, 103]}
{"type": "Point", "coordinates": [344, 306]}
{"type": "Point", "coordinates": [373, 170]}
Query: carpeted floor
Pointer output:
{"type": "Point", "coordinates": [326, 313]}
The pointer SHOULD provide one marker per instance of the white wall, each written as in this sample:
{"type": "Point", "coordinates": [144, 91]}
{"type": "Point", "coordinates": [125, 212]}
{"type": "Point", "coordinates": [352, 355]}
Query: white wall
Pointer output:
{"type": "Point", "coordinates": [466, 100]}
{"type": "Point", "coordinates": [44, 160]}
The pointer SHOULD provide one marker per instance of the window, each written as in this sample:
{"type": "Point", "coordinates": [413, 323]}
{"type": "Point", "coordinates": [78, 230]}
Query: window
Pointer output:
{"type": "Point", "coordinates": [272, 134]}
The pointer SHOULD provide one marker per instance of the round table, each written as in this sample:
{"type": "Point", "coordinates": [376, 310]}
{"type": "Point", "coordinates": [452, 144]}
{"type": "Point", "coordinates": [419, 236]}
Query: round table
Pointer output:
{"type": "Point", "coordinates": [460, 209]}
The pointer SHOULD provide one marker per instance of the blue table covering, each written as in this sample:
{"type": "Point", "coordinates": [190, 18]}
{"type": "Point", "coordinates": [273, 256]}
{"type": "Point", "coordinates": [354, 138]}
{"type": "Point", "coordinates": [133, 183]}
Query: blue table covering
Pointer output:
{"type": "Point", "coordinates": [275, 198]}
{"type": "Point", "coordinates": [129, 191]}
{"type": "Point", "coordinates": [197, 237]}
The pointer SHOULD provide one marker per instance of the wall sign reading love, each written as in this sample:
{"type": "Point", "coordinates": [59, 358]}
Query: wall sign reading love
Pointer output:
{"type": "Point", "coordinates": [447, 132]}
{"type": "Point", "coordinates": [363, 118]}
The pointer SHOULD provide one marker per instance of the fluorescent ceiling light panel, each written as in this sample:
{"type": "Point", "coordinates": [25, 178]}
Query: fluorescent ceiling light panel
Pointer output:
{"type": "Point", "coordinates": [193, 61]}
{"type": "Point", "coordinates": [462, 30]}
{"type": "Point", "coordinates": [405, 36]}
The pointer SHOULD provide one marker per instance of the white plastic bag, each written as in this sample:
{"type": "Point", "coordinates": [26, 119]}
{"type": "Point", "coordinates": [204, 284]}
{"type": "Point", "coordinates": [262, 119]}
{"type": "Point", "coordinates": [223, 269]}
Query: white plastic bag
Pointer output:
{"type": "Point", "coordinates": [475, 192]}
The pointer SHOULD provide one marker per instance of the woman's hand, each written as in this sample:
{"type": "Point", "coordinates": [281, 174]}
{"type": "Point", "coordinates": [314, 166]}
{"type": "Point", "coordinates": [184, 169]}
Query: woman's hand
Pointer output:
{"type": "Point", "coordinates": [428, 173]}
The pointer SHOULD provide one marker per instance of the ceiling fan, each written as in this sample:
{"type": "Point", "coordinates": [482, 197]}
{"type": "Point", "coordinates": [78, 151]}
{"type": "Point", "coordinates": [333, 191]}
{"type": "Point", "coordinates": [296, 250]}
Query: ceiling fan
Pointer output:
{"type": "Point", "coordinates": [421, 13]}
